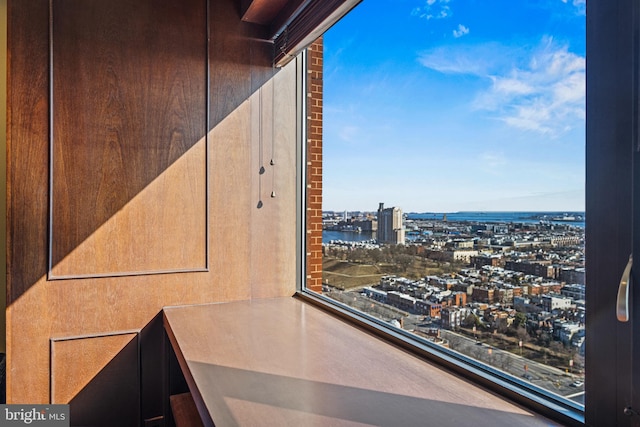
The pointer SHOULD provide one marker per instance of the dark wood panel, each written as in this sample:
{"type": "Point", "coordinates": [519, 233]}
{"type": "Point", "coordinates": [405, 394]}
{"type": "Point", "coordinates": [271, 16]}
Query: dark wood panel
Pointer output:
{"type": "Point", "coordinates": [184, 411]}
{"type": "Point", "coordinates": [27, 158]}
{"type": "Point", "coordinates": [261, 11]}
{"type": "Point", "coordinates": [128, 101]}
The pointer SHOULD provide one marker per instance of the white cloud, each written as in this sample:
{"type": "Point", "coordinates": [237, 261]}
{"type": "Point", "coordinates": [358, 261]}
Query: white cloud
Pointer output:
{"type": "Point", "coordinates": [480, 60]}
{"type": "Point", "coordinates": [580, 5]}
{"type": "Point", "coordinates": [542, 90]}
{"type": "Point", "coordinates": [553, 96]}
{"type": "Point", "coordinates": [461, 31]}
{"type": "Point", "coordinates": [433, 9]}
{"type": "Point", "coordinates": [574, 2]}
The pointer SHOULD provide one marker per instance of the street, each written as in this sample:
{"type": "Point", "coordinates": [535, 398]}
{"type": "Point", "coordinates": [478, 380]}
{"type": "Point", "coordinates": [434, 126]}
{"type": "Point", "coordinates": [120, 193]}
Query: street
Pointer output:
{"type": "Point", "coordinates": [542, 375]}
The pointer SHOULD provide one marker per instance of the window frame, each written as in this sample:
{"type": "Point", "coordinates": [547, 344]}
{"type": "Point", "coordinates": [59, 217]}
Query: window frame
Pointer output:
{"type": "Point", "coordinates": [529, 395]}
{"type": "Point", "coordinates": [613, 200]}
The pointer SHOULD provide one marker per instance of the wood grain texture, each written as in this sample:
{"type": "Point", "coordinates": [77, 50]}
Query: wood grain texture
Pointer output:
{"type": "Point", "coordinates": [123, 112]}
{"type": "Point", "coordinates": [272, 136]}
{"type": "Point", "coordinates": [27, 171]}
{"type": "Point", "coordinates": [281, 362]}
{"type": "Point", "coordinates": [75, 362]}
{"type": "Point", "coordinates": [99, 377]}
{"type": "Point", "coordinates": [185, 413]}
{"type": "Point", "coordinates": [261, 11]}
{"type": "Point", "coordinates": [39, 309]}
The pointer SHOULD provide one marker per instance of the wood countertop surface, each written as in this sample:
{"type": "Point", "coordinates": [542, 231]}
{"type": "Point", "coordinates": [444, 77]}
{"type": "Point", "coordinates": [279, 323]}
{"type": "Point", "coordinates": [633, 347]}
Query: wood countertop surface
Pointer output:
{"type": "Point", "coordinates": [283, 362]}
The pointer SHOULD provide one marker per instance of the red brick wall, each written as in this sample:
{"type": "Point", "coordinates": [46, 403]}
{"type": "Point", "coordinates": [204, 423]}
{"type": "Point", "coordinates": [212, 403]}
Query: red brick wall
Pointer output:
{"type": "Point", "coordinates": [314, 167]}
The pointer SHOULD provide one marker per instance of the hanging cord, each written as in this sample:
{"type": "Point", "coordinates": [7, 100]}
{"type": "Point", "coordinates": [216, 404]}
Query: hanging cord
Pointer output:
{"type": "Point", "coordinates": [260, 149]}
{"type": "Point", "coordinates": [273, 131]}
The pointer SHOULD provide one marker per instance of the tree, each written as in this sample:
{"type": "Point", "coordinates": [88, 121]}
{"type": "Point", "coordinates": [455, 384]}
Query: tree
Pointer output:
{"type": "Point", "coordinates": [471, 320]}
{"type": "Point", "coordinates": [376, 255]}
{"type": "Point", "coordinates": [404, 261]}
{"type": "Point", "coordinates": [520, 320]}
{"type": "Point", "coordinates": [544, 339]}
{"type": "Point", "coordinates": [501, 326]}
{"type": "Point", "coordinates": [522, 334]}
{"type": "Point", "coordinates": [556, 346]}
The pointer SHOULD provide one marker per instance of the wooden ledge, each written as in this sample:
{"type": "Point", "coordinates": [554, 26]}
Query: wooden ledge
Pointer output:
{"type": "Point", "coordinates": [284, 362]}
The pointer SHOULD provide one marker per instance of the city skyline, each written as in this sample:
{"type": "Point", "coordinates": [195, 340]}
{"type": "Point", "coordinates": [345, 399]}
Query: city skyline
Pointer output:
{"type": "Point", "coordinates": [458, 106]}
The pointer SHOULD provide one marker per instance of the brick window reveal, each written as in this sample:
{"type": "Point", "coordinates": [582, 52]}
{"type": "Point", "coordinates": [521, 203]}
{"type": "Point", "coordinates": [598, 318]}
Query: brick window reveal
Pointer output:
{"type": "Point", "coordinates": [314, 166]}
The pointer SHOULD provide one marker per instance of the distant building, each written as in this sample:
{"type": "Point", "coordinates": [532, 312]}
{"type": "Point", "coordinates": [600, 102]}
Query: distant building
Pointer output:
{"type": "Point", "coordinates": [463, 255]}
{"type": "Point", "coordinates": [572, 275]}
{"type": "Point", "coordinates": [429, 308]}
{"type": "Point", "coordinates": [505, 295]}
{"type": "Point", "coordinates": [402, 301]}
{"type": "Point", "coordinates": [481, 260]}
{"type": "Point", "coordinates": [375, 294]}
{"type": "Point", "coordinates": [367, 225]}
{"type": "Point", "coordinates": [574, 291]}
{"type": "Point", "coordinates": [539, 268]}
{"type": "Point", "coordinates": [452, 317]}
{"type": "Point", "coordinates": [459, 299]}
{"type": "Point", "coordinates": [390, 228]}
{"type": "Point", "coordinates": [521, 303]}
{"type": "Point", "coordinates": [555, 302]}
{"type": "Point", "coordinates": [461, 244]}
{"type": "Point", "coordinates": [482, 294]}
{"type": "Point", "coordinates": [566, 240]}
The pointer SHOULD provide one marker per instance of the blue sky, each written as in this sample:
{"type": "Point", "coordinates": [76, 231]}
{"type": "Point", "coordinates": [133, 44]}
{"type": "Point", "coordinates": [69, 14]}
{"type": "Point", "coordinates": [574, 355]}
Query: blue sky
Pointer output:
{"type": "Point", "coordinates": [453, 105]}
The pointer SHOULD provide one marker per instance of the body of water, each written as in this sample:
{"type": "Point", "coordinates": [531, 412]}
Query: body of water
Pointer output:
{"type": "Point", "coordinates": [476, 217]}
{"type": "Point", "coordinates": [505, 217]}
{"type": "Point", "coordinates": [347, 236]}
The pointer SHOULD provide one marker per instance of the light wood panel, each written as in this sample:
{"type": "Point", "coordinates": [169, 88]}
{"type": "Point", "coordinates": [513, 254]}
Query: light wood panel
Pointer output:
{"type": "Point", "coordinates": [75, 362]}
{"type": "Point", "coordinates": [281, 362]}
{"type": "Point", "coordinates": [272, 136]}
{"type": "Point", "coordinates": [38, 308]}
{"type": "Point", "coordinates": [99, 377]}
{"type": "Point", "coordinates": [123, 112]}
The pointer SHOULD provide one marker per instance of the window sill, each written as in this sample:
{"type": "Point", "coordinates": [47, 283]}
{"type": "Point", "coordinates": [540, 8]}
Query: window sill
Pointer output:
{"type": "Point", "coordinates": [291, 363]}
{"type": "Point", "coordinates": [530, 396]}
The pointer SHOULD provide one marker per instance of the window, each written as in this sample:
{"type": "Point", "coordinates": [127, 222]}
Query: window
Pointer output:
{"type": "Point", "coordinates": [527, 86]}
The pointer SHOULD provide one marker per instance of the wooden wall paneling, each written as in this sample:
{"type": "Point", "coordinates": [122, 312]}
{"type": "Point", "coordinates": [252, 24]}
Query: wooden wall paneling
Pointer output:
{"type": "Point", "coordinates": [229, 152]}
{"type": "Point", "coordinates": [27, 171]}
{"type": "Point", "coordinates": [232, 85]}
{"type": "Point", "coordinates": [261, 11]}
{"type": "Point", "coordinates": [39, 308]}
{"type": "Point", "coordinates": [273, 225]}
{"type": "Point", "coordinates": [154, 386]}
{"type": "Point", "coordinates": [285, 154]}
{"type": "Point", "coordinates": [27, 163]}
{"type": "Point", "coordinates": [99, 377]}
{"type": "Point", "coordinates": [129, 128]}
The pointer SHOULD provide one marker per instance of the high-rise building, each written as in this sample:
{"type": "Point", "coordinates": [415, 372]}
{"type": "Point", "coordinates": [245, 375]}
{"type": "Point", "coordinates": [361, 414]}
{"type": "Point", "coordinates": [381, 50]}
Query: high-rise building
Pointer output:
{"type": "Point", "coordinates": [390, 228]}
